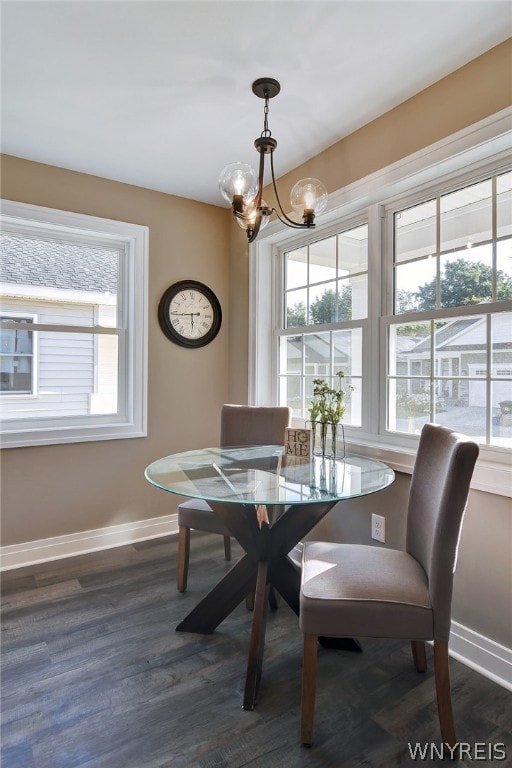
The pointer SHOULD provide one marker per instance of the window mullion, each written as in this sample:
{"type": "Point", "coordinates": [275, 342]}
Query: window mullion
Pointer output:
{"type": "Point", "coordinates": [488, 382]}
{"type": "Point", "coordinates": [433, 371]}
{"type": "Point", "coordinates": [58, 328]}
{"type": "Point", "coordinates": [438, 252]}
{"type": "Point", "coordinates": [378, 273]}
{"type": "Point", "coordinates": [494, 239]}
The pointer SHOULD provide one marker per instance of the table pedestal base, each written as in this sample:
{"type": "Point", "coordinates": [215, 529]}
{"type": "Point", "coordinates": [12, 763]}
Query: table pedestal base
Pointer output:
{"type": "Point", "coordinates": [266, 564]}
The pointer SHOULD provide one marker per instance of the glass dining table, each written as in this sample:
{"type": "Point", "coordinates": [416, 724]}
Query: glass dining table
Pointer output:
{"type": "Point", "coordinates": [269, 501]}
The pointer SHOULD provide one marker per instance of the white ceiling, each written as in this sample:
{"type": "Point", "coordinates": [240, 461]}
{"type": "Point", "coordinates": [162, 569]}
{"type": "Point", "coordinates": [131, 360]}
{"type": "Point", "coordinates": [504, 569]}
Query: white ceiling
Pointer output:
{"type": "Point", "coordinates": [158, 94]}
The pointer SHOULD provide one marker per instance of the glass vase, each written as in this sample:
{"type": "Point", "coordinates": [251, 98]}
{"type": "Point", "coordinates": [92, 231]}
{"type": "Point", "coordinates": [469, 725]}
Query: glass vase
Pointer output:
{"type": "Point", "coordinates": [337, 441]}
{"type": "Point", "coordinates": [314, 442]}
{"type": "Point", "coordinates": [323, 438]}
{"type": "Point", "coordinates": [327, 439]}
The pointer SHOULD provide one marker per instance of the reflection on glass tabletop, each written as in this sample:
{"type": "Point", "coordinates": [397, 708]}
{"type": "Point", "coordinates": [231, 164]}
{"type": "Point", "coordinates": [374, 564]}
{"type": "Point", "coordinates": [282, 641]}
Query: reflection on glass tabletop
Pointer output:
{"type": "Point", "coordinates": [263, 474]}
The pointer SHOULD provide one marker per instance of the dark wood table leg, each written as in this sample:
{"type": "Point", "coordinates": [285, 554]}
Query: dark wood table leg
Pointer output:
{"type": "Point", "coordinates": [257, 641]}
{"type": "Point", "coordinates": [285, 577]}
{"type": "Point", "coordinates": [222, 599]}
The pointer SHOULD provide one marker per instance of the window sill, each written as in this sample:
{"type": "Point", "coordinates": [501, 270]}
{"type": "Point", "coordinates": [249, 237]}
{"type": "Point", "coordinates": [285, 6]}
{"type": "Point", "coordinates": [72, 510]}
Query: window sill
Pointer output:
{"type": "Point", "coordinates": [29, 438]}
{"type": "Point", "coordinates": [489, 476]}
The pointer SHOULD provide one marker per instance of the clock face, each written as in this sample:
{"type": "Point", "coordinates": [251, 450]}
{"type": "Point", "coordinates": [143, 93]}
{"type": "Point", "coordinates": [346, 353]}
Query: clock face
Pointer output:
{"type": "Point", "coordinates": [189, 314]}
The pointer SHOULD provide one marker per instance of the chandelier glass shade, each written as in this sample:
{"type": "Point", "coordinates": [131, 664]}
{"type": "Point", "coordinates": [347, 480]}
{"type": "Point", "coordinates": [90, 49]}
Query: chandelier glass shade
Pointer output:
{"type": "Point", "coordinates": [242, 187]}
{"type": "Point", "coordinates": [238, 179]}
{"type": "Point", "coordinates": [251, 214]}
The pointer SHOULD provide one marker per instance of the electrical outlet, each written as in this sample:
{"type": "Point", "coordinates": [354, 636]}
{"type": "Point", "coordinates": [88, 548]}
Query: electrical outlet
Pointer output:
{"type": "Point", "coordinates": [379, 528]}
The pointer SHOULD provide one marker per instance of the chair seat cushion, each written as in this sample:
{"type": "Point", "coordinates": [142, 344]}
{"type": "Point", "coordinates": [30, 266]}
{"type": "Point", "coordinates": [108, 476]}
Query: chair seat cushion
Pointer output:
{"type": "Point", "coordinates": [363, 591]}
{"type": "Point", "coordinates": [196, 513]}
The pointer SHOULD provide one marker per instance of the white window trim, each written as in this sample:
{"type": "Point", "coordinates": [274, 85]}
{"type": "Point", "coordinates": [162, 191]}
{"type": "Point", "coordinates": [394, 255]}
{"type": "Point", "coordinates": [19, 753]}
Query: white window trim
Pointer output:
{"type": "Point", "coordinates": [485, 143]}
{"type": "Point", "coordinates": [132, 330]}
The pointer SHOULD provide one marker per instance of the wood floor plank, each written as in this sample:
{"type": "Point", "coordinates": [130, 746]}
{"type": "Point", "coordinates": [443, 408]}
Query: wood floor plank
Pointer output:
{"type": "Point", "coordinates": [94, 675]}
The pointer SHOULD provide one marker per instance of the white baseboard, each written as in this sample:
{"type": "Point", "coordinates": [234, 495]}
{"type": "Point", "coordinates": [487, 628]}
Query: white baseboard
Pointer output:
{"type": "Point", "coordinates": [481, 654]}
{"type": "Point", "coordinates": [58, 547]}
{"type": "Point", "coordinates": [476, 651]}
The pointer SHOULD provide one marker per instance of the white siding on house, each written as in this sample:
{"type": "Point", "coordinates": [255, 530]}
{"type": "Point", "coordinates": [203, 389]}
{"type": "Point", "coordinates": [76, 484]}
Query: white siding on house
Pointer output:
{"type": "Point", "coordinates": [66, 362]}
{"type": "Point", "coordinates": [75, 373]}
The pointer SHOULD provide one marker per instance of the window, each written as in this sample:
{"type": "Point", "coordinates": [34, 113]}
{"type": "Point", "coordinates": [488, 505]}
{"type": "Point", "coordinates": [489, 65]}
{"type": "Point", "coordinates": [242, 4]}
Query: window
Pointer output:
{"type": "Point", "coordinates": [452, 280]}
{"type": "Point", "coordinates": [325, 302]}
{"type": "Point", "coordinates": [80, 283]}
{"type": "Point", "coordinates": [449, 339]}
{"type": "Point", "coordinates": [16, 357]}
{"type": "Point", "coordinates": [393, 319]}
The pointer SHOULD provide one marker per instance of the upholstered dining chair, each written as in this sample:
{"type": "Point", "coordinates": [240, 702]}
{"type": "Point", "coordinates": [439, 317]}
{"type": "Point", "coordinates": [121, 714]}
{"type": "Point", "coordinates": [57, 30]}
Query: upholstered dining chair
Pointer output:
{"type": "Point", "coordinates": [368, 591]}
{"type": "Point", "coordinates": [239, 425]}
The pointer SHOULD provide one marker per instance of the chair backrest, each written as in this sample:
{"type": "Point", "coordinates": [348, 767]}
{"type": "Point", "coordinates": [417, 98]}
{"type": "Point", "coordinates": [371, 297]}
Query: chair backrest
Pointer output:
{"type": "Point", "coordinates": [437, 501]}
{"type": "Point", "coordinates": [253, 425]}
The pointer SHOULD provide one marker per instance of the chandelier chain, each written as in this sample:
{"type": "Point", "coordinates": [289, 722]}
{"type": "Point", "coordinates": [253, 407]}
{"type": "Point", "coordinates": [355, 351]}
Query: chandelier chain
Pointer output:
{"type": "Point", "coordinates": [266, 132]}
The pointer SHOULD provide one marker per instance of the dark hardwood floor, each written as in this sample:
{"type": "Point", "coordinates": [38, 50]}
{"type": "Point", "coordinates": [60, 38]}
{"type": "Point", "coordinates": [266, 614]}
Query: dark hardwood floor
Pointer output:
{"type": "Point", "coordinates": [94, 675]}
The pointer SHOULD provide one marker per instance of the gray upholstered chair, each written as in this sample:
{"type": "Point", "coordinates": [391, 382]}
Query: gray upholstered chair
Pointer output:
{"type": "Point", "coordinates": [367, 591]}
{"type": "Point", "coordinates": [240, 425]}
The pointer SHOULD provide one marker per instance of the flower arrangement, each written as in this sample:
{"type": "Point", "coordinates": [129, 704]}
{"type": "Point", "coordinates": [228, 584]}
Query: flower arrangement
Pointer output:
{"type": "Point", "coordinates": [328, 404]}
{"type": "Point", "coordinates": [328, 408]}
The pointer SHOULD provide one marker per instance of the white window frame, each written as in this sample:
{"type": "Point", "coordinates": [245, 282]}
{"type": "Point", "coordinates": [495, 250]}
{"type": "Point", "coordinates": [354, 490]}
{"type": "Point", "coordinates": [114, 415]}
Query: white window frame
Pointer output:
{"type": "Point", "coordinates": [363, 323]}
{"type": "Point", "coordinates": [132, 327]}
{"type": "Point", "coordinates": [486, 310]}
{"type": "Point", "coordinates": [483, 145]}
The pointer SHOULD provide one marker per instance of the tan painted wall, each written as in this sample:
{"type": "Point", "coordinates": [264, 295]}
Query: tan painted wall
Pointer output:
{"type": "Point", "coordinates": [239, 309]}
{"type": "Point", "coordinates": [53, 490]}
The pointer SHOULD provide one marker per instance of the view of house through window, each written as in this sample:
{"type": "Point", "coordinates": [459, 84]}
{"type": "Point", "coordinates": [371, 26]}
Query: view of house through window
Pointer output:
{"type": "Point", "coordinates": [67, 290]}
{"type": "Point", "coordinates": [450, 342]}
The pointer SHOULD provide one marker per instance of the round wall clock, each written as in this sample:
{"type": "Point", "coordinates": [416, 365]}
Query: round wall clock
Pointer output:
{"type": "Point", "coordinates": [189, 314]}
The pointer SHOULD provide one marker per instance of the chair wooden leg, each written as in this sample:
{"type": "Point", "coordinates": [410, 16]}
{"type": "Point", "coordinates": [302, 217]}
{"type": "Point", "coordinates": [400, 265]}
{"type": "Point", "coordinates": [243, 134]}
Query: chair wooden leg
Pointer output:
{"type": "Point", "coordinates": [418, 654]}
{"type": "Point", "coordinates": [444, 696]}
{"type": "Point", "coordinates": [309, 667]}
{"type": "Point", "coordinates": [183, 558]}
{"type": "Point", "coordinates": [227, 548]}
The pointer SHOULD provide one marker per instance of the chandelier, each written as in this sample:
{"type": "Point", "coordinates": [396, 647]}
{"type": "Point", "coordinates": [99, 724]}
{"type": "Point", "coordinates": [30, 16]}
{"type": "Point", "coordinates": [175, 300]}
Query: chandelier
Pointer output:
{"type": "Point", "coordinates": [240, 186]}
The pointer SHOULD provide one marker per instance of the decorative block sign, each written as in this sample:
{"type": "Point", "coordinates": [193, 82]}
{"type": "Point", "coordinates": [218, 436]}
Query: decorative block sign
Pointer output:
{"type": "Point", "coordinates": [297, 442]}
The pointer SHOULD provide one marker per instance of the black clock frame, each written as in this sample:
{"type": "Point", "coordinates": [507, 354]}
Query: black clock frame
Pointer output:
{"type": "Point", "coordinates": [165, 322]}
